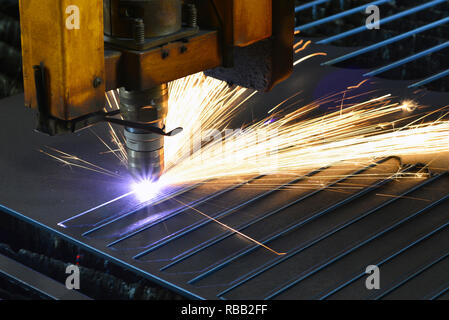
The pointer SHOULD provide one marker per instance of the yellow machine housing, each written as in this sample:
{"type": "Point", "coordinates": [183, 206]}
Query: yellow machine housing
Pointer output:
{"type": "Point", "coordinates": [75, 50]}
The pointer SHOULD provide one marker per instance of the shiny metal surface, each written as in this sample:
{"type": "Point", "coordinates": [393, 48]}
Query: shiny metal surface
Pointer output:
{"type": "Point", "coordinates": [145, 150]}
{"type": "Point", "coordinates": [36, 281]}
{"type": "Point", "coordinates": [329, 236]}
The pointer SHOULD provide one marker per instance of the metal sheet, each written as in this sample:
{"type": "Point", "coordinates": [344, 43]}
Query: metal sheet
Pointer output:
{"type": "Point", "coordinates": [36, 281]}
{"type": "Point", "coordinates": [197, 257]}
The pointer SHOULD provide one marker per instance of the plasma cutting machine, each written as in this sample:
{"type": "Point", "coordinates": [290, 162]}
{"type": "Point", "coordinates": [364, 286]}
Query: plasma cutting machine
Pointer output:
{"type": "Point", "coordinates": [76, 50]}
{"type": "Point", "coordinates": [331, 222]}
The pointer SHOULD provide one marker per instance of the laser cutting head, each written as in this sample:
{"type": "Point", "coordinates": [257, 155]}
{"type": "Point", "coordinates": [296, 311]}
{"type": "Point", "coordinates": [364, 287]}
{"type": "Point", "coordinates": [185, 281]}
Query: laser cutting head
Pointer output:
{"type": "Point", "coordinates": [138, 46]}
{"type": "Point", "coordinates": [135, 25]}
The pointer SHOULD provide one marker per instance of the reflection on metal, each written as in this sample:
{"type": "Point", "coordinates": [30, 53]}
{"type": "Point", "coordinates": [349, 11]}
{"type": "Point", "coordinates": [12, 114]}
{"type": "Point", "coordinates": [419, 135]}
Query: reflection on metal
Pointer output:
{"type": "Point", "coordinates": [36, 282]}
{"type": "Point", "coordinates": [336, 211]}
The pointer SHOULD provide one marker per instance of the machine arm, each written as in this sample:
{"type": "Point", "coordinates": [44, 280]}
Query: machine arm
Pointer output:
{"type": "Point", "coordinates": [75, 50]}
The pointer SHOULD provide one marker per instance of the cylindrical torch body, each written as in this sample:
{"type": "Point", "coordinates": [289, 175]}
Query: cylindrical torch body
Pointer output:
{"type": "Point", "coordinates": [145, 150]}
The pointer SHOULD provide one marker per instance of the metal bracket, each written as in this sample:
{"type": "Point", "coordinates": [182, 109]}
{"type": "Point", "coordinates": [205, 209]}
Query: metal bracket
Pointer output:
{"type": "Point", "coordinates": [150, 43]}
{"type": "Point", "coordinates": [139, 125]}
{"type": "Point", "coordinates": [54, 126]}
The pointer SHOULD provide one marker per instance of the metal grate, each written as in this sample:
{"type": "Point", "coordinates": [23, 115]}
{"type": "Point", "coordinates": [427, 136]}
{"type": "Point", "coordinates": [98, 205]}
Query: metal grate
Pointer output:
{"type": "Point", "coordinates": [330, 223]}
{"type": "Point", "coordinates": [411, 44]}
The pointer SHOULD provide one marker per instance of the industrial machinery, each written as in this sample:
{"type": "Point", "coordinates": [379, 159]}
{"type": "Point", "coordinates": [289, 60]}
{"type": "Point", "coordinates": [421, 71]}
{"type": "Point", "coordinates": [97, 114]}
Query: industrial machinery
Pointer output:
{"type": "Point", "coordinates": [327, 225]}
{"type": "Point", "coordinates": [74, 51]}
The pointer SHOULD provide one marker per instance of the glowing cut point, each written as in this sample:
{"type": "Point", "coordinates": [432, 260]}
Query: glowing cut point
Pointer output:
{"type": "Point", "coordinates": [145, 190]}
{"type": "Point", "coordinates": [409, 106]}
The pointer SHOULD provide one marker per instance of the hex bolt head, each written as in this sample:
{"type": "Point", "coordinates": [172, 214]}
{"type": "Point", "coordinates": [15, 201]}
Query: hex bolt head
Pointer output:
{"type": "Point", "coordinates": [165, 54]}
{"type": "Point", "coordinates": [97, 82]}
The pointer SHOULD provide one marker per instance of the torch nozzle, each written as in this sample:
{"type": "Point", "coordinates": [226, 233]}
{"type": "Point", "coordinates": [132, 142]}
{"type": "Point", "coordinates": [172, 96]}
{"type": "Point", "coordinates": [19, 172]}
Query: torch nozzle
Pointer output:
{"type": "Point", "coordinates": [145, 155]}
{"type": "Point", "coordinates": [145, 149]}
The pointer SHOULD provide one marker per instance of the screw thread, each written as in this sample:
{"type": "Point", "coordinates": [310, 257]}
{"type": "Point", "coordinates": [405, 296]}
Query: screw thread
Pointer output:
{"type": "Point", "coordinates": [192, 14]}
{"type": "Point", "coordinates": [139, 32]}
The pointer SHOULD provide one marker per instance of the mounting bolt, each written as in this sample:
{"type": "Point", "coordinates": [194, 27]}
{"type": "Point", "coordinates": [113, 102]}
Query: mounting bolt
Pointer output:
{"type": "Point", "coordinates": [97, 82]}
{"type": "Point", "coordinates": [139, 32]}
{"type": "Point", "coordinates": [192, 16]}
